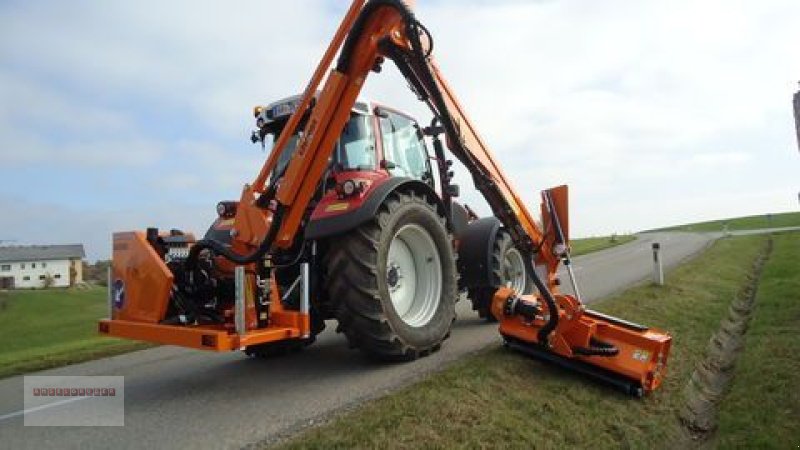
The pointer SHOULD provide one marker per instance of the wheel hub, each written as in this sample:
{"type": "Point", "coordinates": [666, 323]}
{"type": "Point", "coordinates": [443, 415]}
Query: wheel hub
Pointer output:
{"type": "Point", "coordinates": [393, 277]}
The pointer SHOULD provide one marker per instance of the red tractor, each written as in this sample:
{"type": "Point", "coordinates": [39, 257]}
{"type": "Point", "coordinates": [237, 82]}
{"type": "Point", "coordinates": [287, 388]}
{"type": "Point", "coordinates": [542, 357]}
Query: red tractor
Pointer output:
{"type": "Point", "coordinates": [385, 201]}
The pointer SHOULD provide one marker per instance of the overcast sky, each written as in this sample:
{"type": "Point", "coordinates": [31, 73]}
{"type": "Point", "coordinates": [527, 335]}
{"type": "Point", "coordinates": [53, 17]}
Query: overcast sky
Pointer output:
{"type": "Point", "coordinates": [122, 115]}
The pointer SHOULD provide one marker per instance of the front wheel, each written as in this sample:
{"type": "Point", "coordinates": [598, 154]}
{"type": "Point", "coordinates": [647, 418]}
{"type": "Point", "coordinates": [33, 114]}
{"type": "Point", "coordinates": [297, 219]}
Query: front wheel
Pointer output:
{"type": "Point", "coordinates": [394, 280]}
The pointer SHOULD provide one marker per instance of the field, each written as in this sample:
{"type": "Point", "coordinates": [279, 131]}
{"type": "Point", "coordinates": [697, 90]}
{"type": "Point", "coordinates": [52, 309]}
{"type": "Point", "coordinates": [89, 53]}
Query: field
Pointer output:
{"type": "Point", "coordinates": [791, 219]}
{"type": "Point", "coordinates": [498, 398]}
{"type": "Point", "coordinates": [40, 329]}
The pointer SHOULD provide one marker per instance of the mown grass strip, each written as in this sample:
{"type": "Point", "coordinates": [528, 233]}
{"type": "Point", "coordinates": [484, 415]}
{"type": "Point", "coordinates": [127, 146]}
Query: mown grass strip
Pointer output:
{"type": "Point", "coordinates": [41, 329]}
{"type": "Point", "coordinates": [712, 376]}
{"type": "Point", "coordinates": [762, 408]}
{"type": "Point", "coordinates": [502, 399]}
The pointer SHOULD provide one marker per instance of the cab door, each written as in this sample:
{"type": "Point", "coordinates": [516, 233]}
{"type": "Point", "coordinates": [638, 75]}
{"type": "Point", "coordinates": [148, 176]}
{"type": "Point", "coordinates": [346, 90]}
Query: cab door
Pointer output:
{"type": "Point", "coordinates": [404, 151]}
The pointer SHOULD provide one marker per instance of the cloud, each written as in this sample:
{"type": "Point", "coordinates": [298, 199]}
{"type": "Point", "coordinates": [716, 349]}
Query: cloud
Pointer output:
{"type": "Point", "coordinates": [653, 112]}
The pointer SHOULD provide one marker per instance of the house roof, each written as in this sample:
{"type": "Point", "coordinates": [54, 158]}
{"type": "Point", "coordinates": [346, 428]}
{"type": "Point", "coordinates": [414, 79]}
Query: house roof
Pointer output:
{"type": "Point", "coordinates": [41, 252]}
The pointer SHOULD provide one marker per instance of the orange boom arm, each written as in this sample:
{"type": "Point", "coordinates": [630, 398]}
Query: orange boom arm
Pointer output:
{"type": "Point", "coordinates": [550, 325]}
{"type": "Point", "coordinates": [155, 273]}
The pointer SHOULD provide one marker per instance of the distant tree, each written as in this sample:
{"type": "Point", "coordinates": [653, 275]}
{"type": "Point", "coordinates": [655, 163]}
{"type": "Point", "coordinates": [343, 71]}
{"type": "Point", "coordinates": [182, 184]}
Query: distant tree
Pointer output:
{"type": "Point", "coordinates": [48, 281]}
{"type": "Point", "coordinates": [96, 273]}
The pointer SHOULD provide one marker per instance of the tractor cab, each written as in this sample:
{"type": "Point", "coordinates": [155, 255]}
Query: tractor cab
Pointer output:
{"type": "Point", "coordinates": [375, 139]}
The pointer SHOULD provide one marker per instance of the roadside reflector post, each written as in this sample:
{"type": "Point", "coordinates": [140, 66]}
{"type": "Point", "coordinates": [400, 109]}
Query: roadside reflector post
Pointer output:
{"type": "Point", "coordinates": [658, 267]}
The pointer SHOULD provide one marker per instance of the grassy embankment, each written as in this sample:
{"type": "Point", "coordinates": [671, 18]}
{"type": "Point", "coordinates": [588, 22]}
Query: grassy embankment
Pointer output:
{"type": "Point", "coordinates": [40, 329]}
{"type": "Point", "coordinates": [501, 399]}
{"type": "Point", "coordinates": [595, 244]}
{"type": "Point", "coordinates": [781, 220]}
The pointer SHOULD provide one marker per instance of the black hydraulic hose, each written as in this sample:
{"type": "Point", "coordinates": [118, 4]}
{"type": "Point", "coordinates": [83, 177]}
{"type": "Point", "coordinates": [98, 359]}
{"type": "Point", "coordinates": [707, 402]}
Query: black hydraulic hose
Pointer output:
{"type": "Point", "coordinates": [223, 250]}
{"type": "Point", "coordinates": [552, 306]}
{"type": "Point", "coordinates": [294, 260]}
{"type": "Point", "coordinates": [597, 348]}
{"type": "Point", "coordinates": [430, 38]}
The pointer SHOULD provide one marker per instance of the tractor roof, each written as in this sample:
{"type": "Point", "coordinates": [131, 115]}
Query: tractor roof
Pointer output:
{"type": "Point", "coordinates": [284, 107]}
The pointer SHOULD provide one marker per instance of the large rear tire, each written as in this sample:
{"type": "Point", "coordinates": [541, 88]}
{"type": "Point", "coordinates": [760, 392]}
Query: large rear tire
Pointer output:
{"type": "Point", "coordinates": [394, 280]}
{"type": "Point", "coordinates": [507, 270]}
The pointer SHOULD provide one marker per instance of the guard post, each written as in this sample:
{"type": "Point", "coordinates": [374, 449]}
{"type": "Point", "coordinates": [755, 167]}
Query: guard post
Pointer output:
{"type": "Point", "coordinates": [658, 267]}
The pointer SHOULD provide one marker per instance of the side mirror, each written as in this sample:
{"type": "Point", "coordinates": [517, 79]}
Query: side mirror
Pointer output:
{"type": "Point", "coordinates": [386, 164]}
{"type": "Point", "coordinates": [453, 190]}
{"type": "Point", "coordinates": [433, 131]}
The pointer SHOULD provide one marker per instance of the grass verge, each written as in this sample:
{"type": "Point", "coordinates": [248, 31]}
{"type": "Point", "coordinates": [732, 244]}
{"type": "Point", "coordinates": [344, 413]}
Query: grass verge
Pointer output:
{"type": "Point", "coordinates": [790, 219]}
{"type": "Point", "coordinates": [594, 244]}
{"type": "Point", "coordinates": [498, 398]}
{"type": "Point", "coordinates": [41, 329]}
{"type": "Point", "coordinates": [763, 406]}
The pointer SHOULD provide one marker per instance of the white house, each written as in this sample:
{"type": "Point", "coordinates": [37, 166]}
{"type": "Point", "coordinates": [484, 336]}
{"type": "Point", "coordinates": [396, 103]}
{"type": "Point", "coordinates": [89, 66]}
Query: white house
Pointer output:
{"type": "Point", "coordinates": [26, 267]}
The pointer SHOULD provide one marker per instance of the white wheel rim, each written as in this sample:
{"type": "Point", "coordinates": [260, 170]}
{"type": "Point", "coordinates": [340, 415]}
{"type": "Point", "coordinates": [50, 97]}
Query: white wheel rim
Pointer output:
{"type": "Point", "coordinates": [414, 275]}
{"type": "Point", "coordinates": [514, 271]}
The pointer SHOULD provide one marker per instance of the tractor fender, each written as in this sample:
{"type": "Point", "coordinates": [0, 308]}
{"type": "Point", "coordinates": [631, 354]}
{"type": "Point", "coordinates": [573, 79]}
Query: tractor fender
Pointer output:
{"type": "Point", "coordinates": [475, 246]}
{"type": "Point", "coordinates": [330, 226]}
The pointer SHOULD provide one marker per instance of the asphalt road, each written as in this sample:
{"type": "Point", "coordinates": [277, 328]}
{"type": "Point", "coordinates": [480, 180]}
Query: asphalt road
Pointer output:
{"type": "Point", "coordinates": [186, 398]}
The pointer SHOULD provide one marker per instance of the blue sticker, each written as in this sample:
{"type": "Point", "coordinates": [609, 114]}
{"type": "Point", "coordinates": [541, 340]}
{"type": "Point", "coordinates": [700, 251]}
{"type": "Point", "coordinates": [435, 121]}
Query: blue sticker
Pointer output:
{"type": "Point", "coordinates": [118, 293]}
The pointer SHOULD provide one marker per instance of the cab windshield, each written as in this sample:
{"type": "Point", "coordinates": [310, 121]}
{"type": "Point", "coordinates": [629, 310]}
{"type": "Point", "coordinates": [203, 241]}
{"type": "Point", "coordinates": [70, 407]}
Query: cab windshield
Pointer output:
{"type": "Point", "coordinates": [354, 150]}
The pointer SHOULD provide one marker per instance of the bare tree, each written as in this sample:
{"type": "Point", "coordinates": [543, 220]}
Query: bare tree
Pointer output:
{"type": "Point", "coordinates": [48, 281]}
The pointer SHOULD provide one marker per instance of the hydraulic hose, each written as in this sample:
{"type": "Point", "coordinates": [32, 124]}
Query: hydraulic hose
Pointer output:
{"type": "Point", "coordinates": [552, 306]}
{"type": "Point", "coordinates": [597, 348]}
{"type": "Point", "coordinates": [223, 250]}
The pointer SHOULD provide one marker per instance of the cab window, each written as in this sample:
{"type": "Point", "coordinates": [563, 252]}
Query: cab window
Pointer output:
{"type": "Point", "coordinates": [355, 149]}
{"type": "Point", "coordinates": [403, 147]}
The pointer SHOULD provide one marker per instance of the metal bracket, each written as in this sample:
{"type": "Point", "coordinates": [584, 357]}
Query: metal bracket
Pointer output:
{"type": "Point", "coordinates": [239, 308]}
{"type": "Point", "coordinates": [304, 293]}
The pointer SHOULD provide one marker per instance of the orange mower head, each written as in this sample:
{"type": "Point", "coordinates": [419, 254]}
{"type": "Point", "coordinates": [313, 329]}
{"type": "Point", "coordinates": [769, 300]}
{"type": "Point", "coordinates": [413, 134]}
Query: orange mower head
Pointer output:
{"type": "Point", "coordinates": [626, 355]}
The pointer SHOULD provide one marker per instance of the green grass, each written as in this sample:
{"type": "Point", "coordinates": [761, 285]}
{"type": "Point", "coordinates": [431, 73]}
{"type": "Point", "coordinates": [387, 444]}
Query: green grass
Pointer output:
{"type": "Point", "coordinates": [594, 244]}
{"type": "Point", "coordinates": [501, 399]}
{"type": "Point", "coordinates": [790, 219]}
{"type": "Point", "coordinates": [763, 407]}
{"type": "Point", "coordinates": [40, 329]}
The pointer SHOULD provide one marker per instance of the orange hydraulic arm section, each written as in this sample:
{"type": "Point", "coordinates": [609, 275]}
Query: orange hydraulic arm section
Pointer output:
{"type": "Point", "coordinates": [550, 325]}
